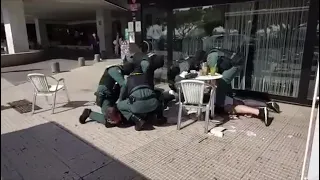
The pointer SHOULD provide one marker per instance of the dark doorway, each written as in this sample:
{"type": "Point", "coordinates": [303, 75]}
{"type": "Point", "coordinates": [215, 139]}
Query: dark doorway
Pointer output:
{"type": "Point", "coordinates": [116, 27]}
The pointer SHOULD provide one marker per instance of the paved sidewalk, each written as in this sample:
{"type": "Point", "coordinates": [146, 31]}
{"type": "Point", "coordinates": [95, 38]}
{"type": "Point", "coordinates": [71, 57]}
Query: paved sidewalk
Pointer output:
{"type": "Point", "coordinates": [55, 146]}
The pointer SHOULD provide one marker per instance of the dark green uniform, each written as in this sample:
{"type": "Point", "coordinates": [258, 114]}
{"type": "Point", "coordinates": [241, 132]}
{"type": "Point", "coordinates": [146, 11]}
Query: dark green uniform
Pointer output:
{"type": "Point", "coordinates": [140, 99]}
{"type": "Point", "coordinates": [227, 69]}
{"type": "Point", "coordinates": [108, 91]}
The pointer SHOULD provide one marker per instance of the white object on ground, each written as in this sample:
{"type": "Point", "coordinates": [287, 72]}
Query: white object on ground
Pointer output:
{"type": "Point", "coordinates": [171, 92]}
{"type": "Point", "coordinates": [217, 131]}
{"type": "Point", "coordinates": [232, 117]}
{"type": "Point", "coordinates": [290, 136]}
{"type": "Point", "coordinates": [250, 133]}
{"type": "Point", "coordinates": [192, 111]}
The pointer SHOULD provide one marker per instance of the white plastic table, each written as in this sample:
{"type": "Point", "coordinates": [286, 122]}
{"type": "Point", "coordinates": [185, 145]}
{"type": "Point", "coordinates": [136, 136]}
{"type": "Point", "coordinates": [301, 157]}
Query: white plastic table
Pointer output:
{"type": "Point", "coordinates": [209, 77]}
{"type": "Point", "coordinates": [212, 100]}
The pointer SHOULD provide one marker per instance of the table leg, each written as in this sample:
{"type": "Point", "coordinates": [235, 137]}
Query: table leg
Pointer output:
{"type": "Point", "coordinates": [212, 102]}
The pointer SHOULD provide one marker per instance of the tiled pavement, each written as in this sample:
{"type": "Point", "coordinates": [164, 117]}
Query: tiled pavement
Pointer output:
{"type": "Point", "coordinates": [46, 146]}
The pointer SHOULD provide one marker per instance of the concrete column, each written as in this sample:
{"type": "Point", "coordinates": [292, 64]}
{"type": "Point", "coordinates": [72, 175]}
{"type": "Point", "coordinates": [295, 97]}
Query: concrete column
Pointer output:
{"type": "Point", "coordinates": [41, 31]}
{"type": "Point", "coordinates": [104, 31]}
{"type": "Point", "coordinates": [15, 26]}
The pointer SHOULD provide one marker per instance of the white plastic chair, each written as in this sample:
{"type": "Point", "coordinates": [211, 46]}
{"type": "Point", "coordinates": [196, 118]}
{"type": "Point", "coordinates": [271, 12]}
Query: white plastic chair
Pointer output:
{"type": "Point", "coordinates": [42, 88]}
{"type": "Point", "coordinates": [193, 92]}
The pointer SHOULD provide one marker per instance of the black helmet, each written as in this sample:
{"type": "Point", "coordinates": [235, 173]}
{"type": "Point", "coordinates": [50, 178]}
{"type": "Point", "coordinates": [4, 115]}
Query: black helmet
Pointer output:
{"type": "Point", "coordinates": [127, 68]}
{"type": "Point", "coordinates": [157, 62]}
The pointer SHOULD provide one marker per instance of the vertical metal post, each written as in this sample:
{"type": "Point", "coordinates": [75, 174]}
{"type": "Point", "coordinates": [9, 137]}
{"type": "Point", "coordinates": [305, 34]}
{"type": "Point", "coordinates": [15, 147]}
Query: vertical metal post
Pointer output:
{"type": "Point", "coordinates": [311, 128]}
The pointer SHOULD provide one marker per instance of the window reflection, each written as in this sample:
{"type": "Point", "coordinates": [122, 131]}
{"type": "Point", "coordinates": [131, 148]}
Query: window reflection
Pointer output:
{"type": "Point", "coordinates": [271, 35]}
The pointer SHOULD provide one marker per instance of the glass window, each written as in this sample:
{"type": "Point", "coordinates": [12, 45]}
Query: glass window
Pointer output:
{"type": "Point", "coordinates": [270, 35]}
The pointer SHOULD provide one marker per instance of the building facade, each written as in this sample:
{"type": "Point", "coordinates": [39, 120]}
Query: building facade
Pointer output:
{"type": "Point", "coordinates": [279, 39]}
{"type": "Point", "coordinates": [94, 16]}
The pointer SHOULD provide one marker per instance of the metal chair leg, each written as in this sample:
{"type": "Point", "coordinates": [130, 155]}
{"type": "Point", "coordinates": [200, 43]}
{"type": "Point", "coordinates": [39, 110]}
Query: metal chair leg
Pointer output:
{"type": "Point", "coordinates": [199, 113]}
{"type": "Point", "coordinates": [54, 102]}
{"type": "Point", "coordinates": [47, 100]}
{"type": "Point", "coordinates": [212, 101]}
{"type": "Point", "coordinates": [179, 117]}
{"type": "Point", "coordinates": [34, 102]}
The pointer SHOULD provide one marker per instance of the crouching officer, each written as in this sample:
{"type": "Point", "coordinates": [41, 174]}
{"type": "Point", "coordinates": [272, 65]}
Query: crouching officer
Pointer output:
{"type": "Point", "coordinates": [148, 64]}
{"type": "Point", "coordinates": [111, 85]}
{"type": "Point", "coordinates": [139, 100]}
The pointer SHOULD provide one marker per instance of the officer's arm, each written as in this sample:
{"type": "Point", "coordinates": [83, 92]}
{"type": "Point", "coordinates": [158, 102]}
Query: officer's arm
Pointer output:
{"type": "Point", "coordinates": [145, 65]}
{"type": "Point", "coordinates": [117, 75]}
{"type": "Point", "coordinates": [123, 93]}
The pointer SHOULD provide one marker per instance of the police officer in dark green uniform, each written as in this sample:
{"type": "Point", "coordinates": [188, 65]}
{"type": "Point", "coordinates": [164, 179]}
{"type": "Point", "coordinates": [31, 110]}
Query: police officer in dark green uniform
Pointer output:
{"type": "Point", "coordinates": [107, 94]}
{"type": "Point", "coordinates": [139, 100]}
{"type": "Point", "coordinates": [148, 64]}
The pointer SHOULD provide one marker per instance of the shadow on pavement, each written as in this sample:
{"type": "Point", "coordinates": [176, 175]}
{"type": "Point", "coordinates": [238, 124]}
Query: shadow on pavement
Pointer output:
{"type": "Point", "coordinates": [48, 151]}
{"type": "Point", "coordinates": [69, 105]}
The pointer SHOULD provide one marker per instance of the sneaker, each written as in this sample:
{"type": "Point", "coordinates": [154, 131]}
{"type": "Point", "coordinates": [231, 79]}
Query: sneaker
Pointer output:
{"type": "Point", "coordinates": [264, 116]}
{"type": "Point", "coordinates": [274, 106]}
{"type": "Point", "coordinates": [84, 116]}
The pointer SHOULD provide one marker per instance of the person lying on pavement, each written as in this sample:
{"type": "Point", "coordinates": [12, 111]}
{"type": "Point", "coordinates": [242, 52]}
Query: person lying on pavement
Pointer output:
{"type": "Point", "coordinates": [111, 87]}
{"type": "Point", "coordinates": [226, 103]}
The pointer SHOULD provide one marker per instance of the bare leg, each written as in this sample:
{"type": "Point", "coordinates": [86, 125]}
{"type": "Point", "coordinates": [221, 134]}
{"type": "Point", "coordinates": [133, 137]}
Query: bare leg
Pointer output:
{"type": "Point", "coordinates": [242, 109]}
{"type": "Point", "coordinates": [261, 113]}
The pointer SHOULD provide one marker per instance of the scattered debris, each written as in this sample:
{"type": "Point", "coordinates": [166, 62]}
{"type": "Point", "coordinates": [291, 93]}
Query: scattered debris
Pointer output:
{"type": "Point", "coordinates": [250, 133]}
{"type": "Point", "coordinates": [233, 117]}
{"type": "Point", "coordinates": [217, 131]}
{"type": "Point", "coordinates": [192, 111]}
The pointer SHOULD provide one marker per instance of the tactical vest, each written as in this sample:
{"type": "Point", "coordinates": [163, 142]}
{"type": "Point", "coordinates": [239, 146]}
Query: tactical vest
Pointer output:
{"type": "Point", "coordinates": [137, 79]}
{"type": "Point", "coordinates": [107, 80]}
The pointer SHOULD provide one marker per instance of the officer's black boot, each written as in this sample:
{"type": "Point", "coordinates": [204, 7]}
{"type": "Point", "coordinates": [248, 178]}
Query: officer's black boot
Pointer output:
{"type": "Point", "coordinates": [138, 122]}
{"type": "Point", "coordinates": [84, 116]}
{"type": "Point", "coordinates": [161, 120]}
